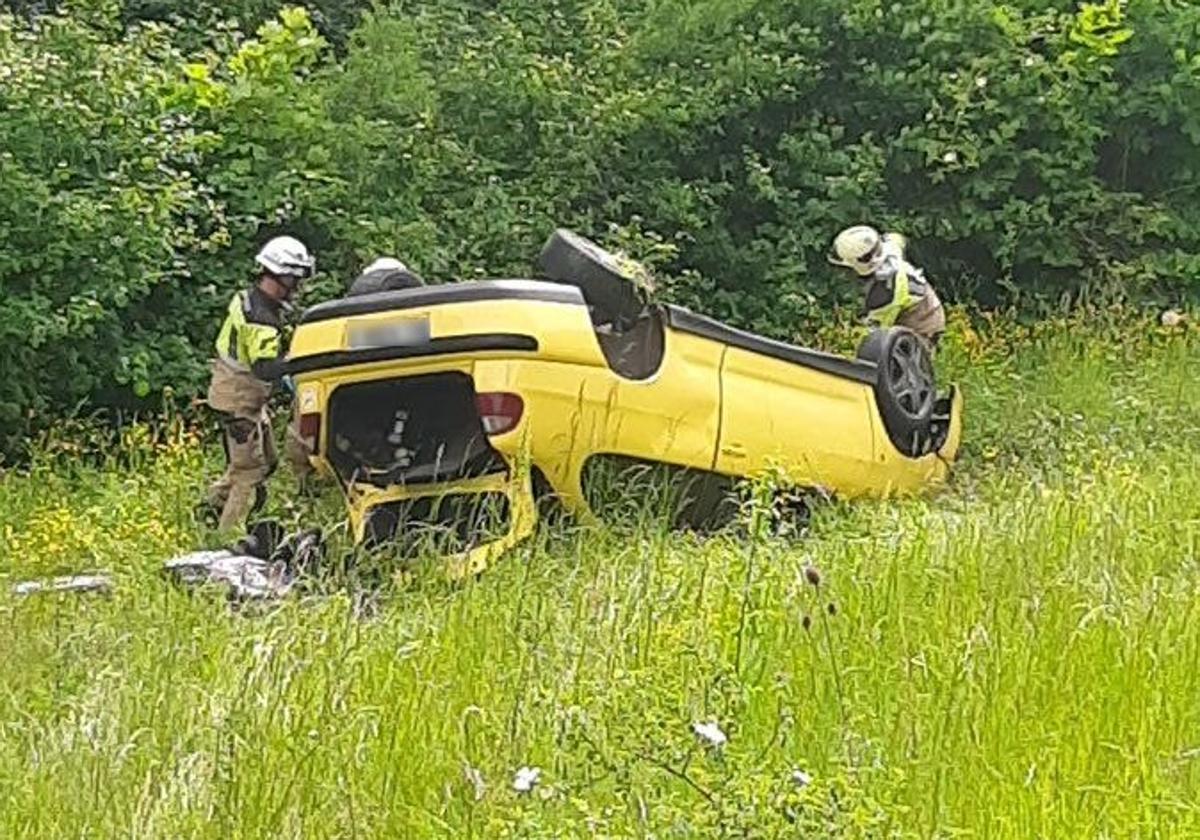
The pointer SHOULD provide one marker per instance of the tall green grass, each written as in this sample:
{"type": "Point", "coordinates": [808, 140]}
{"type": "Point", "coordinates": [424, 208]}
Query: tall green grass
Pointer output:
{"type": "Point", "coordinates": [1015, 656]}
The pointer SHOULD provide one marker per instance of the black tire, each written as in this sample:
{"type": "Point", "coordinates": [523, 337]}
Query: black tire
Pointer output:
{"type": "Point", "coordinates": [905, 389]}
{"type": "Point", "coordinates": [615, 293]}
{"type": "Point", "coordinates": [870, 347]}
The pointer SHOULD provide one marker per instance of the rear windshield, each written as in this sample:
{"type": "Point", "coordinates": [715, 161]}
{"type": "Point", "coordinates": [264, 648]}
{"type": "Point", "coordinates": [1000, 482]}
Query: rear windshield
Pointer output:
{"type": "Point", "coordinates": [409, 430]}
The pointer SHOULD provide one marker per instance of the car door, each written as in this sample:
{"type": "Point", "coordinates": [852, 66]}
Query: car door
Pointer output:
{"type": "Point", "coordinates": [814, 424]}
{"type": "Point", "coordinates": [671, 416]}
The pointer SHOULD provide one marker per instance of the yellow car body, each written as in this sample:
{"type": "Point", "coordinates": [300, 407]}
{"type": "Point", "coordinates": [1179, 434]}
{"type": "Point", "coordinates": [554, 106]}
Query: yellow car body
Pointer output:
{"type": "Point", "coordinates": [711, 398]}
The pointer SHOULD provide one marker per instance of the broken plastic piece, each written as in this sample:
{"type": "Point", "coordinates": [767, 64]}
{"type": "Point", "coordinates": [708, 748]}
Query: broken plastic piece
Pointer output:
{"type": "Point", "coordinates": [246, 577]}
{"type": "Point", "coordinates": [99, 583]}
{"type": "Point", "coordinates": [265, 565]}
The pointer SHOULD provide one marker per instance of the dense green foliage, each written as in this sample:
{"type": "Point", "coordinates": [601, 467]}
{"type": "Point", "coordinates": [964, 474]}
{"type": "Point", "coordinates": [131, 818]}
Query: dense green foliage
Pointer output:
{"type": "Point", "coordinates": [1012, 658]}
{"type": "Point", "coordinates": [1029, 149]}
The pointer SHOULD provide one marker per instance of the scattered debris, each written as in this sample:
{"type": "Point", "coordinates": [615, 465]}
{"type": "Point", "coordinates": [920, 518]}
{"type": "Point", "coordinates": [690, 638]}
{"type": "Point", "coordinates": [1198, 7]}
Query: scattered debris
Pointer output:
{"type": "Point", "coordinates": [526, 778]}
{"type": "Point", "coordinates": [246, 576]}
{"type": "Point", "coordinates": [266, 564]}
{"type": "Point", "coordinates": [97, 582]}
{"type": "Point", "coordinates": [801, 779]}
{"type": "Point", "coordinates": [711, 733]}
{"type": "Point", "coordinates": [263, 566]}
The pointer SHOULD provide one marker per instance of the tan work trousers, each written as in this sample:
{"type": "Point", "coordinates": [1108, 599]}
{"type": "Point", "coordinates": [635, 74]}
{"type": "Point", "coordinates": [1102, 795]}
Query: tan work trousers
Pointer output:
{"type": "Point", "coordinates": [250, 458]}
{"type": "Point", "coordinates": [250, 455]}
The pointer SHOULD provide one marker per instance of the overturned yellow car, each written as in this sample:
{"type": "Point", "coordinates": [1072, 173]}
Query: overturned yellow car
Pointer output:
{"type": "Point", "coordinates": [462, 404]}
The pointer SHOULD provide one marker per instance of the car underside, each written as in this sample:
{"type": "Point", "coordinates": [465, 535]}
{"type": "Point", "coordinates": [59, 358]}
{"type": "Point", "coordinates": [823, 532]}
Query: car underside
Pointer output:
{"type": "Point", "coordinates": [447, 412]}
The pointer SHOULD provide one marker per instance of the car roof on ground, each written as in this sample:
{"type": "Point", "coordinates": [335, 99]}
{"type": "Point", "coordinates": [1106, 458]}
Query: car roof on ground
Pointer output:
{"type": "Point", "coordinates": [444, 293]}
{"type": "Point", "coordinates": [678, 318]}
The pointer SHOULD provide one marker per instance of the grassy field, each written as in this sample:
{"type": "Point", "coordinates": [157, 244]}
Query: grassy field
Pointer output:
{"type": "Point", "coordinates": [1015, 656]}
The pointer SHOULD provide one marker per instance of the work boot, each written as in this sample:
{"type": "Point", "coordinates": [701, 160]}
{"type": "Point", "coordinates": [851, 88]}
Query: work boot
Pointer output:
{"type": "Point", "coordinates": [207, 514]}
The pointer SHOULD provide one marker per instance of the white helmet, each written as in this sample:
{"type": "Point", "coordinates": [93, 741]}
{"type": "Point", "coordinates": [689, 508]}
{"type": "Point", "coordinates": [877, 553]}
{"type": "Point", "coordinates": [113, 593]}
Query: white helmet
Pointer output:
{"type": "Point", "coordinates": [860, 248]}
{"type": "Point", "coordinates": [285, 256]}
{"type": "Point", "coordinates": [385, 264]}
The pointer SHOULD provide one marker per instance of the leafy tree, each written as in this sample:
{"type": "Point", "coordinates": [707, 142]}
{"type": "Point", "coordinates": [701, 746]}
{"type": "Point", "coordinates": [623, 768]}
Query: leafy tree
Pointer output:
{"type": "Point", "coordinates": [99, 197]}
{"type": "Point", "coordinates": [196, 21]}
{"type": "Point", "coordinates": [1032, 150]}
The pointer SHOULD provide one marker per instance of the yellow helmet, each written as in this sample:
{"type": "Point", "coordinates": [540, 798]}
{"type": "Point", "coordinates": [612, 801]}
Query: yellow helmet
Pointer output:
{"type": "Point", "coordinates": [860, 248]}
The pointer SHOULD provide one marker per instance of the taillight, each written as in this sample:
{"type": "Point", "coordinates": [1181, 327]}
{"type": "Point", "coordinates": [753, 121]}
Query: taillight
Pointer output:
{"type": "Point", "coordinates": [500, 412]}
{"type": "Point", "coordinates": [310, 430]}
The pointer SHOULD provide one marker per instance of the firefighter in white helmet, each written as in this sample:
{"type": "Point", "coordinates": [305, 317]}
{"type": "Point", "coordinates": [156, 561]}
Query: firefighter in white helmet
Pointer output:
{"type": "Point", "coordinates": [249, 362]}
{"type": "Point", "coordinates": [386, 274]}
{"type": "Point", "coordinates": [896, 291]}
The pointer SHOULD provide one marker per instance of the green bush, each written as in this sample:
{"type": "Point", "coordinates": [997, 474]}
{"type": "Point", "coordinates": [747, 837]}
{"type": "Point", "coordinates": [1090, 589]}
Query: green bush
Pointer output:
{"type": "Point", "coordinates": [100, 207]}
{"type": "Point", "coordinates": [1031, 151]}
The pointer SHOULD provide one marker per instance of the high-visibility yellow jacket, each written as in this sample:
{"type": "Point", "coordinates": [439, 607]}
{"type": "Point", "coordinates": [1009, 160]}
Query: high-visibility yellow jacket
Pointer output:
{"type": "Point", "coordinates": [896, 286]}
{"type": "Point", "coordinates": [251, 338]}
{"type": "Point", "coordinates": [898, 293]}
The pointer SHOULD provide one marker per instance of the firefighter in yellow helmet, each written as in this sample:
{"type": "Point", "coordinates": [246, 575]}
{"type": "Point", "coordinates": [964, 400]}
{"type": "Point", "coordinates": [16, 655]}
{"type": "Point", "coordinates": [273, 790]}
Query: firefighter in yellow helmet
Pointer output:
{"type": "Point", "coordinates": [249, 362]}
{"type": "Point", "coordinates": [896, 291]}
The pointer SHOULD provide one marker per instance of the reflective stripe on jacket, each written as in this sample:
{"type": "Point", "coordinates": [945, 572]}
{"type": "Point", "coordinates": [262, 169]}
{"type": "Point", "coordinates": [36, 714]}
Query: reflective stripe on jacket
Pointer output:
{"type": "Point", "coordinates": [241, 341]}
{"type": "Point", "coordinates": [894, 290]}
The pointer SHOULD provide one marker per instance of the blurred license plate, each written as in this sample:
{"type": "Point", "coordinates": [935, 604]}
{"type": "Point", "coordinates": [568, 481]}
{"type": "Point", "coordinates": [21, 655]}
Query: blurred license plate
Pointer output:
{"type": "Point", "coordinates": [388, 333]}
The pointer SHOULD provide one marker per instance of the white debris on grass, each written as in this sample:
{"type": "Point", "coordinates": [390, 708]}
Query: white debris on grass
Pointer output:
{"type": "Point", "coordinates": [100, 583]}
{"type": "Point", "coordinates": [526, 778]}
{"type": "Point", "coordinates": [244, 576]}
{"type": "Point", "coordinates": [710, 733]}
{"type": "Point", "coordinates": [801, 779]}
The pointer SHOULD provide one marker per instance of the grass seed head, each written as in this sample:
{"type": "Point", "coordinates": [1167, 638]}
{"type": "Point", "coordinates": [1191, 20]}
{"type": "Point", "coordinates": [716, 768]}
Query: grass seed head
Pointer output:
{"type": "Point", "coordinates": [806, 622]}
{"type": "Point", "coordinates": [475, 778]}
{"type": "Point", "coordinates": [813, 575]}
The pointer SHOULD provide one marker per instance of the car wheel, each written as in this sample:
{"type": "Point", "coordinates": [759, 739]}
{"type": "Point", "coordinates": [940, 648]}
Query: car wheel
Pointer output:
{"type": "Point", "coordinates": [905, 389]}
{"type": "Point", "coordinates": [610, 285]}
{"type": "Point", "coordinates": [868, 350]}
